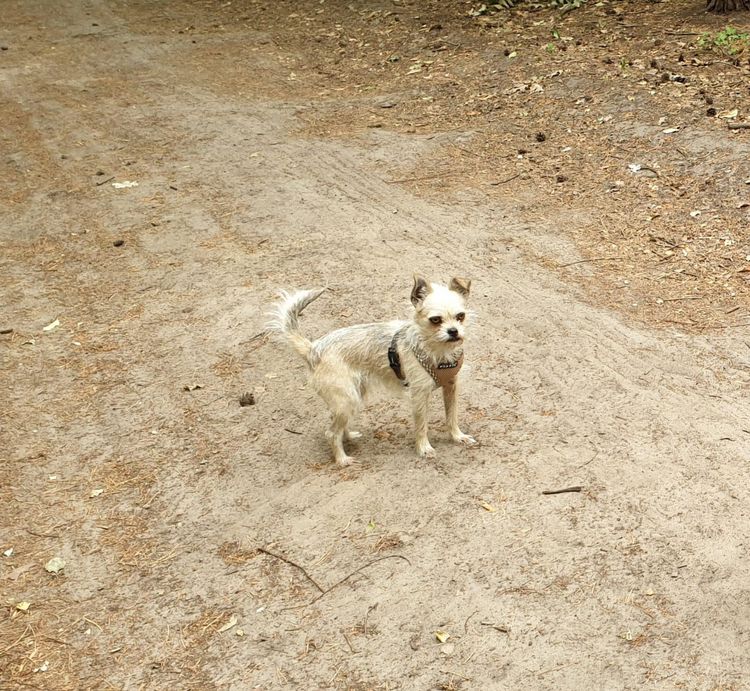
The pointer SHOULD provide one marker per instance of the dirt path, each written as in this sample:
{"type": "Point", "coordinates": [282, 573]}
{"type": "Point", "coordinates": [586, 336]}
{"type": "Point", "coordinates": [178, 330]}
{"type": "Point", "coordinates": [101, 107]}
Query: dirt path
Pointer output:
{"type": "Point", "coordinates": [158, 497]}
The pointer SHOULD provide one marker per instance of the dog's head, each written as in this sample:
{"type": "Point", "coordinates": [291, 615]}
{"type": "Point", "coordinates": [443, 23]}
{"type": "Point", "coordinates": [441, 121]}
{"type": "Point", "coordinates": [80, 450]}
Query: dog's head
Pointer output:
{"type": "Point", "coordinates": [440, 312]}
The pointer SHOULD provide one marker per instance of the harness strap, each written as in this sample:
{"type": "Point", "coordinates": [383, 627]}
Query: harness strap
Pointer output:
{"type": "Point", "coordinates": [394, 360]}
{"type": "Point", "coordinates": [444, 374]}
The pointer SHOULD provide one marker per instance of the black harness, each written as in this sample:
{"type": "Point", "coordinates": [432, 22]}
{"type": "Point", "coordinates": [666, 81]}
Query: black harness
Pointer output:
{"type": "Point", "coordinates": [394, 360]}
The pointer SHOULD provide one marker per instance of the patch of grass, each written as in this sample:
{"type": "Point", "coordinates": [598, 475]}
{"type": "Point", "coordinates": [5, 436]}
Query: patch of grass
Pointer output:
{"type": "Point", "coordinates": [728, 41]}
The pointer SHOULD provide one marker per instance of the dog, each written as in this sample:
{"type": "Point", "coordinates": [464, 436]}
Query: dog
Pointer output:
{"type": "Point", "coordinates": [417, 356]}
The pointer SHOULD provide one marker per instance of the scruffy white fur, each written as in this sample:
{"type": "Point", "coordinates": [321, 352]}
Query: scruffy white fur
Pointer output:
{"type": "Point", "coordinates": [346, 363]}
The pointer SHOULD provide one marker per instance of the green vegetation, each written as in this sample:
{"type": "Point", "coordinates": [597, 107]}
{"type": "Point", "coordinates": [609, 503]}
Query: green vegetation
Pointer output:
{"type": "Point", "coordinates": [728, 41]}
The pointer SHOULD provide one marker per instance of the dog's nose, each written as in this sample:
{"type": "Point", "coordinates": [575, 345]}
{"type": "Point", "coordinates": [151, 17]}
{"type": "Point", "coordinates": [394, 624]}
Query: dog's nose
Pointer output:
{"type": "Point", "coordinates": [453, 332]}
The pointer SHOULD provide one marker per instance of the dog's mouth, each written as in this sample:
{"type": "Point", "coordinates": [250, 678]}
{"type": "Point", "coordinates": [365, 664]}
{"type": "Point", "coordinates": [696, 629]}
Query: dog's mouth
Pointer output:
{"type": "Point", "coordinates": [455, 339]}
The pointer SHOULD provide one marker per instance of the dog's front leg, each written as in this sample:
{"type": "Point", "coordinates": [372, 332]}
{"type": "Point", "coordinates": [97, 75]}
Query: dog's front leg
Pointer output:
{"type": "Point", "coordinates": [420, 399]}
{"type": "Point", "coordinates": [450, 398]}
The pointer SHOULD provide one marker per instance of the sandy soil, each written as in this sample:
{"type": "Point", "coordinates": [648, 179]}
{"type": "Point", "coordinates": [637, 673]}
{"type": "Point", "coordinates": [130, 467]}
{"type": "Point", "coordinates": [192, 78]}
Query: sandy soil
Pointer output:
{"type": "Point", "coordinates": [209, 545]}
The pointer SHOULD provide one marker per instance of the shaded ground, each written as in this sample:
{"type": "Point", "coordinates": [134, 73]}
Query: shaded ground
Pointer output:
{"type": "Point", "coordinates": [349, 144]}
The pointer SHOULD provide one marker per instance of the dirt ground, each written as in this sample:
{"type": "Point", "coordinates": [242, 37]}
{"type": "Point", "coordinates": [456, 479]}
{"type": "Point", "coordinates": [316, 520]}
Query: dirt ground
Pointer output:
{"type": "Point", "coordinates": [579, 167]}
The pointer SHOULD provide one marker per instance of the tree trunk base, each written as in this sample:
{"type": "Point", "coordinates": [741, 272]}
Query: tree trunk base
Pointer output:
{"type": "Point", "coordinates": [724, 6]}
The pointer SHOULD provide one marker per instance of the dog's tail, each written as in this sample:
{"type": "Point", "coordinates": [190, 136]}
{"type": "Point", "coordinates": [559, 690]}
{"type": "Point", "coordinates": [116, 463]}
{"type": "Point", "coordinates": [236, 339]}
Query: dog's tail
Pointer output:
{"type": "Point", "coordinates": [285, 318]}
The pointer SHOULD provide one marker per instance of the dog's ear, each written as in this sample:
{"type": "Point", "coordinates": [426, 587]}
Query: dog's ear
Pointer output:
{"type": "Point", "coordinates": [460, 286]}
{"type": "Point", "coordinates": [420, 290]}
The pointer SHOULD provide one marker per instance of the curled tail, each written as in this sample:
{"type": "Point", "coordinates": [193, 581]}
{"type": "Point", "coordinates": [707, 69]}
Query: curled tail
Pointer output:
{"type": "Point", "coordinates": [286, 314]}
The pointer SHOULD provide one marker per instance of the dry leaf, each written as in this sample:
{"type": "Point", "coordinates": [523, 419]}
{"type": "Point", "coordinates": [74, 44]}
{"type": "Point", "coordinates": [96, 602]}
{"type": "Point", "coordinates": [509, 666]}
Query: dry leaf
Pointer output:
{"type": "Point", "coordinates": [442, 636]}
{"type": "Point", "coordinates": [23, 606]}
{"type": "Point", "coordinates": [52, 326]}
{"type": "Point", "coordinates": [230, 624]}
{"type": "Point", "coordinates": [488, 507]}
{"type": "Point", "coordinates": [55, 565]}
{"type": "Point", "coordinates": [95, 492]}
{"type": "Point", "coordinates": [729, 114]}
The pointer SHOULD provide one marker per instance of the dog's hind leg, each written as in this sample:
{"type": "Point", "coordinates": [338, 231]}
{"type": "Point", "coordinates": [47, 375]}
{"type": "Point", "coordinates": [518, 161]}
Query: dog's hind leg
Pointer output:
{"type": "Point", "coordinates": [341, 395]}
{"type": "Point", "coordinates": [335, 436]}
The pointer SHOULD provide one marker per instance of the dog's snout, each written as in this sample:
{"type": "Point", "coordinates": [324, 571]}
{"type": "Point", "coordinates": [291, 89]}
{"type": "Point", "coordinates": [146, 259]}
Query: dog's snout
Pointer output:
{"type": "Point", "coordinates": [453, 332]}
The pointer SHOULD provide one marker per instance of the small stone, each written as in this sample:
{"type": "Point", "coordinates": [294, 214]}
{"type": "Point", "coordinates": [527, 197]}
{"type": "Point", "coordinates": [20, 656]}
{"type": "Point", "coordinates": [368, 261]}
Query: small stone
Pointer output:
{"type": "Point", "coordinates": [55, 565]}
{"type": "Point", "coordinates": [247, 399]}
{"type": "Point", "coordinates": [118, 243]}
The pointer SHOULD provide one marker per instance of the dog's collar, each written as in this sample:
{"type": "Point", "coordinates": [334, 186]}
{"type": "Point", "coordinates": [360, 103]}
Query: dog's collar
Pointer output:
{"type": "Point", "coordinates": [444, 374]}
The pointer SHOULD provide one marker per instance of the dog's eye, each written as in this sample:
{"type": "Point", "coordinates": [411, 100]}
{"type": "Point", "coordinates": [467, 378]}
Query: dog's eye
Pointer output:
{"type": "Point", "coordinates": [436, 320]}
{"type": "Point", "coordinates": [460, 316]}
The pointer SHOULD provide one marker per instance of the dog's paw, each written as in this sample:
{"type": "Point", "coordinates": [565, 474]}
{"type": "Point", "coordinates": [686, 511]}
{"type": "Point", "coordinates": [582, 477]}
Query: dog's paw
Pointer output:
{"type": "Point", "coordinates": [426, 451]}
{"type": "Point", "coordinates": [465, 439]}
{"type": "Point", "coordinates": [353, 434]}
{"type": "Point", "coordinates": [344, 461]}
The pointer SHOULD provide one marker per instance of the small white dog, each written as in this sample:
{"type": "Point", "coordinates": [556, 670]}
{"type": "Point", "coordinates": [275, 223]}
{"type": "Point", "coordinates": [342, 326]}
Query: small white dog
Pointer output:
{"type": "Point", "coordinates": [418, 355]}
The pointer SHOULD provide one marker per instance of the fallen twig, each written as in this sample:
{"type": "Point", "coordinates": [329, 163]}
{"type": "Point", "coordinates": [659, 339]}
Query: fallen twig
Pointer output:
{"type": "Point", "coordinates": [583, 261]}
{"type": "Point", "coordinates": [33, 532]}
{"type": "Point", "coordinates": [296, 566]}
{"type": "Point", "coordinates": [260, 334]}
{"type": "Point", "coordinates": [371, 608]}
{"type": "Point", "coordinates": [501, 629]}
{"type": "Point", "coordinates": [576, 488]}
{"type": "Point", "coordinates": [424, 177]}
{"type": "Point", "coordinates": [292, 431]}
{"type": "Point", "coordinates": [589, 461]}
{"type": "Point", "coordinates": [354, 573]}
{"type": "Point", "coordinates": [738, 125]}
{"type": "Point", "coordinates": [455, 674]}
{"type": "Point", "coordinates": [349, 643]}
{"type": "Point", "coordinates": [467, 620]}
{"type": "Point", "coordinates": [104, 182]}
{"type": "Point", "coordinates": [502, 182]}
